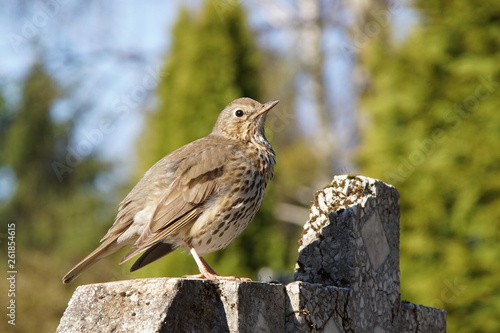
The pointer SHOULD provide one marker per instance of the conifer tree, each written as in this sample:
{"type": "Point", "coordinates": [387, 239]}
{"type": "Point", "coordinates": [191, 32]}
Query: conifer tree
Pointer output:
{"type": "Point", "coordinates": [56, 221]}
{"type": "Point", "coordinates": [435, 131]}
{"type": "Point", "coordinates": [28, 151]}
{"type": "Point", "coordinates": [33, 145]}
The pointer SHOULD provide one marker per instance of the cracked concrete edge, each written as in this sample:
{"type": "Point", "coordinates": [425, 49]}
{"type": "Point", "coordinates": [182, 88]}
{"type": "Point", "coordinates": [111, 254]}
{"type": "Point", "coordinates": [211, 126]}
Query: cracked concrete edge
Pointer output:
{"type": "Point", "coordinates": [343, 192]}
{"type": "Point", "coordinates": [353, 220]}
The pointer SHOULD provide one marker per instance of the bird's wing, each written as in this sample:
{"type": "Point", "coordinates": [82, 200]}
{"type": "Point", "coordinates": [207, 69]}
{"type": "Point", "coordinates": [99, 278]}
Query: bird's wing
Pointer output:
{"type": "Point", "coordinates": [196, 179]}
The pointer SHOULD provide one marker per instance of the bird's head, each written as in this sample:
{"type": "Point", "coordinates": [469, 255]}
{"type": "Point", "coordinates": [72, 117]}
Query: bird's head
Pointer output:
{"type": "Point", "coordinates": [243, 119]}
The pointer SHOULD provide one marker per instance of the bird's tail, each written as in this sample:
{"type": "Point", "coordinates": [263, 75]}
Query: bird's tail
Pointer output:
{"type": "Point", "coordinates": [105, 249]}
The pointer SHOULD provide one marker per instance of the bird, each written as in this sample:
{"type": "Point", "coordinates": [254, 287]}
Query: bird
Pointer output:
{"type": "Point", "coordinates": [200, 197]}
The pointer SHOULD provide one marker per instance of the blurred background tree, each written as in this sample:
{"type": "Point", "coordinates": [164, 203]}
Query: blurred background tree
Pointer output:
{"type": "Point", "coordinates": [54, 217]}
{"type": "Point", "coordinates": [434, 133]}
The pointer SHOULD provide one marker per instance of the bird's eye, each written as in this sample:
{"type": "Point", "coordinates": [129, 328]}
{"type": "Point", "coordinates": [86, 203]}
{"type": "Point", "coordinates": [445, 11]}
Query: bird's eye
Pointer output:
{"type": "Point", "coordinates": [238, 113]}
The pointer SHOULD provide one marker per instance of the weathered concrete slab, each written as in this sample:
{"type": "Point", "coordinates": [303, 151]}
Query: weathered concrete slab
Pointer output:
{"type": "Point", "coordinates": [175, 305]}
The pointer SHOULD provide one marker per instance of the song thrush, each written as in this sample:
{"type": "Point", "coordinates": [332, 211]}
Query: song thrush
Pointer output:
{"type": "Point", "coordinates": [200, 197]}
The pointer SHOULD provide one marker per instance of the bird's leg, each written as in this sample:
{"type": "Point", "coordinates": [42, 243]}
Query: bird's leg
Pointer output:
{"type": "Point", "coordinates": [206, 271]}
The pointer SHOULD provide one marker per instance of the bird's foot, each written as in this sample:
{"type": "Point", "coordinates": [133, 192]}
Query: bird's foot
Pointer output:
{"type": "Point", "coordinates": [211, 276]}
{"type": "Point", "coordinates": [206, 271]}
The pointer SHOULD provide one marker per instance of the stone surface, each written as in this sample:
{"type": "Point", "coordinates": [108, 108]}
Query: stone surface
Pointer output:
{"type": "Point", "coordinates": [352, 241]}
{"type": "Point", "coordinates": [316, 308]}
{"type": "Point", "coordinates": [175, 305]}
{"type": "Point", "coordinates": [354, 221]}
{"type": "Point", "coordinates": [347, 280]}
{"type": "Point", "coordinates": [417, 318]}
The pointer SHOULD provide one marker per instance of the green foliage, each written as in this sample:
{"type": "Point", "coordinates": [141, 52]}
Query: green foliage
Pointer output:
{"type": "Point", "coordinates": [434, 134]}
{"type": "Point", "coordinates": [56, 219]}
{"type": "Point", "coordinates": [213, 61]}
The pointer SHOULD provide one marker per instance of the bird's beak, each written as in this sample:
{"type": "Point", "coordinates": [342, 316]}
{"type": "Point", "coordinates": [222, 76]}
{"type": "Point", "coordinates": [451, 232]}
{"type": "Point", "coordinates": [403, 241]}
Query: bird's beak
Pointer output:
{"type": "Point", "coordinates": [266, 107]}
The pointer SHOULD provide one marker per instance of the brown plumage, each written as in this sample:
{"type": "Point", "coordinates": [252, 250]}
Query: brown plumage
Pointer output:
{"type": "Point", "coordinates": [200, 197]}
